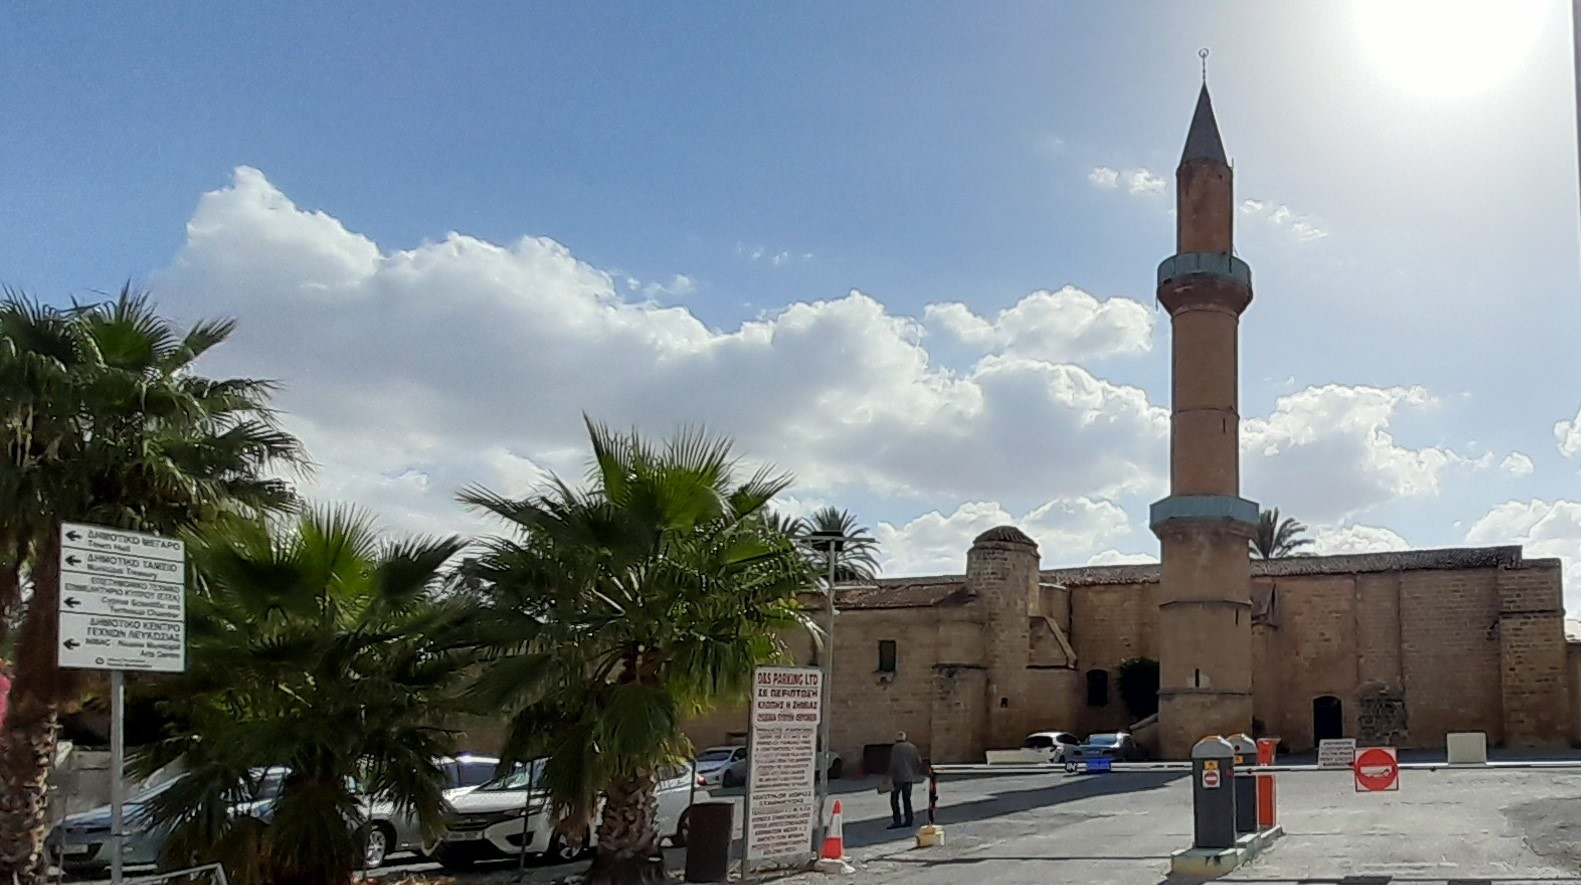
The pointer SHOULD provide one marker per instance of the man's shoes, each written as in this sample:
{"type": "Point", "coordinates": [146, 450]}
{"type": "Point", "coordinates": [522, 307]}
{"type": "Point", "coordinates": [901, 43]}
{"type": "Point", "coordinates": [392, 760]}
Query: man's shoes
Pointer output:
{"type": "Point", "coordinates": [896, 825]}
{"type": "Point", "coordinates": [908, 825]}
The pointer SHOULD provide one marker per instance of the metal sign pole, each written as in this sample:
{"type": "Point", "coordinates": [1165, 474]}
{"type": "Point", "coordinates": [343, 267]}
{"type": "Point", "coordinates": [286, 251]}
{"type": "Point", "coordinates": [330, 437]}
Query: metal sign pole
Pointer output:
{"type": "Point", "coordinates": [117, 766]}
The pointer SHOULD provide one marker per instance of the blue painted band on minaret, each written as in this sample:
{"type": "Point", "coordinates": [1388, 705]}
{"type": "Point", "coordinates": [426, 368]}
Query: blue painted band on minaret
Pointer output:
{"type": "Point", "coordinates": [1228, 508]}
{"type": "Point", "coordinates": [1215, 264]}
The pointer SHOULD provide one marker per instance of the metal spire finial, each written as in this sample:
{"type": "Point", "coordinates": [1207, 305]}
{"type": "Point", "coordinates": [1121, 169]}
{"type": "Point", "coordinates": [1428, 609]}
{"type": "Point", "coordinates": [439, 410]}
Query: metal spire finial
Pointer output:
{"type": "Point", "coordinates": [1203, 54]}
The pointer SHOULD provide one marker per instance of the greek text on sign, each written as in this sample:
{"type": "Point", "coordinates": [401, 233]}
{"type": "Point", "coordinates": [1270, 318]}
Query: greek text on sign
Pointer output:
{"type": "Point", "coordinates": [98, 642]}
{"type": "Point", "coordinates": [784, 696]}
{"type": "Point", "coordinates": [98, 539]}
{"type": "Point", "coordinates": [786, 708]}
{"type": "Point", "coordinates": [1336, 753]}
{"type": "Point", "coordinates": [123, 597]}
{"type": "Point", "coordinates": [122, 600]}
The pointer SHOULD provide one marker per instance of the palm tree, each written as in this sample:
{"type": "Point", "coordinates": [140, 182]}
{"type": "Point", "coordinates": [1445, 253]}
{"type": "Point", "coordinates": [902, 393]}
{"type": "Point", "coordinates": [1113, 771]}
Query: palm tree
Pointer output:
{"type": "Point", "coordinates": [323, 649]}
{"type": "Point", "coordinates": [103, 420]}
{"type": "Point", "coordinates": [623, 607]}
{"type": "Point", "coordinates": [855, 557]}
{"type": "Point", "coordinates": [1276, 538]}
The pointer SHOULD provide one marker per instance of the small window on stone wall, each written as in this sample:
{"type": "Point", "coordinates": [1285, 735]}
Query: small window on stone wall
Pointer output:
{"type": "Point", "coordinates": [886, 656]}
{"type": "Point", "coordinates": [1097, 688]}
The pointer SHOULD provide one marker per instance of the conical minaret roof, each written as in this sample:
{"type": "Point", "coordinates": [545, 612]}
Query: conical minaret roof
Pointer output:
{"type": "Point", "coordinates": [1202, 140]}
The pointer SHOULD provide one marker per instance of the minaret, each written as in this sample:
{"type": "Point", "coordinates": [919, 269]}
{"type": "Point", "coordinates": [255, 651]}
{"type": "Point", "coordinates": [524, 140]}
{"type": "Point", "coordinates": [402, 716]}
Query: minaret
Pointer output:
{"type": "Point", "coordinates": [1204, 595]}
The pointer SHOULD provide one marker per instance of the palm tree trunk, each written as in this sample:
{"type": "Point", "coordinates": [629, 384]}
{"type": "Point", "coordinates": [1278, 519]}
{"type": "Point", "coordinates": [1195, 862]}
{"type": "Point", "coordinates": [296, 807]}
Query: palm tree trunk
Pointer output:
{"type": "Point", "coordinates": [628, 836]}
{"type": "Point", "coordinates": [28, 733]}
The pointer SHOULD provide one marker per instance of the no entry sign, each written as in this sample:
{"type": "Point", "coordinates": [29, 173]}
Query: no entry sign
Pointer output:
{"type": "Point", "coordinates": [1377, 769]}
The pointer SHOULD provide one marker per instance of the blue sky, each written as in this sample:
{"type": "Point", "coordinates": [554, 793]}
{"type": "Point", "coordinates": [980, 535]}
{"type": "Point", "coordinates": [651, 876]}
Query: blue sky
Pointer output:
{"type": "Point", "coordinates": [704, 186]}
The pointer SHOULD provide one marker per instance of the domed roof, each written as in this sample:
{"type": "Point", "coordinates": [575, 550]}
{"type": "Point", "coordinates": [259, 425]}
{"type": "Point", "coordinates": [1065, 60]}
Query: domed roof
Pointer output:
{"type": "Point", "coordinates": [1006, 533]}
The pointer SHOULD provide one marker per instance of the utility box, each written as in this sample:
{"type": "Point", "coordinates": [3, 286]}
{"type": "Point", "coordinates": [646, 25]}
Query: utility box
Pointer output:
{"type": "Point", "coordinates": [1213, 794]}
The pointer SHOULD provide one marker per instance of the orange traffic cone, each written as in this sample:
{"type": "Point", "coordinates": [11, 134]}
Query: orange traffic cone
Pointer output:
{"type": "Point", "coordinates": [834, 839]}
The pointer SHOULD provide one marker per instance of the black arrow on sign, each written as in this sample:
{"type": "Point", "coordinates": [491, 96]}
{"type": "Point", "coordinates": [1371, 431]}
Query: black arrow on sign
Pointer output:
{"type": "Point", "coordinates": [72, 560]}
{"type": "Point", "coordinates": [72, 643]}
{"type": "Point", "coordinates": [72, 602]}
{"type": "Point", "coordinates": [73, 535]}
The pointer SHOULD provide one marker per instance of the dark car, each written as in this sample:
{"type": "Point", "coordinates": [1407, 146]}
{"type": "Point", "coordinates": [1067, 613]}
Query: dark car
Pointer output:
{"type": "Point", "coordinates": [1117, 746]}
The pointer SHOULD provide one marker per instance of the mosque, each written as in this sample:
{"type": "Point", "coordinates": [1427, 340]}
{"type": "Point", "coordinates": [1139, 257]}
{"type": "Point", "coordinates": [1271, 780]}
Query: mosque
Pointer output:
{"type": "Point", "coordinates": [1399, 648]}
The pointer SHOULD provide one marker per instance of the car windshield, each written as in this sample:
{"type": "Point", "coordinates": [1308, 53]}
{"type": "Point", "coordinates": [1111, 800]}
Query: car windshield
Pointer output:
{"type": "Point", "coordinates": [1103, 740]}
{"type": "Point", "coordinates": [715, 756]}
{"type": "Point", "coordinates": [517, 778]}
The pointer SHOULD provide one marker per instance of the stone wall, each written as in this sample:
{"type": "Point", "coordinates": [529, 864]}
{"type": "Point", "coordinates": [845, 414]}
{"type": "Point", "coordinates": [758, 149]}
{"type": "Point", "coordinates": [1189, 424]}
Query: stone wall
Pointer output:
{"type": "Point", "coordinates": [1532, 654]}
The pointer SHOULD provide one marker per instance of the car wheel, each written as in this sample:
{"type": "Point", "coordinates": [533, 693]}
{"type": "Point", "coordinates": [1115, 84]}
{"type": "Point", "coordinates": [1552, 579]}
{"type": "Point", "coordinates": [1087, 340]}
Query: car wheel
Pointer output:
{"type": "Point", "coordinates": [683, 829]}
{"type": "Point", "coordinates": [835, 768]}
{"type": "Point", "coordinates": [376, 839]}
{"type": "Point", "coordinates": [561, 851]}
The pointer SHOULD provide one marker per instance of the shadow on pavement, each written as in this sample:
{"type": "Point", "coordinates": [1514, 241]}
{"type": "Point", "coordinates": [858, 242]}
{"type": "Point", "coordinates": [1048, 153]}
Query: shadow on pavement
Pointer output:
{"type": "Point", "coordinates": [875, 830]}
{"type": "Point", "coordinates": [1357, 879]}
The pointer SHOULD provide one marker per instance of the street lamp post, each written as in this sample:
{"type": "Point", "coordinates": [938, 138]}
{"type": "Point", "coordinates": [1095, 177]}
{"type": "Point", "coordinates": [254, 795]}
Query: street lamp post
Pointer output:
{"type": "Point", "coordinates": [831, 542]}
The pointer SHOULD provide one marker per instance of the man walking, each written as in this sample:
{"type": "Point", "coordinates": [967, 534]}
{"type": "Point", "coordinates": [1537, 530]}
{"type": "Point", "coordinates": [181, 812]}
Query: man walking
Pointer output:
{"type": "Point", "coordinates": [905, 769]}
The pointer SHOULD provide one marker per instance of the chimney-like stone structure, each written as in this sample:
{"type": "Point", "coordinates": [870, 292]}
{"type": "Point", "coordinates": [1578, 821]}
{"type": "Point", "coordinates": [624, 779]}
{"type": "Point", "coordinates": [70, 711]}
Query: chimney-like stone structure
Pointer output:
{"type": "Point", "coordinates": [1204, 526]}
{"type": "Point", "coordinates": [1002, 571]}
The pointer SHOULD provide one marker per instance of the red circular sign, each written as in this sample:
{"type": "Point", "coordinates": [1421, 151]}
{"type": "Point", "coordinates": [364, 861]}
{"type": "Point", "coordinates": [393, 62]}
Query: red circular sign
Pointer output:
{"type": "Point", "coordinates": [1376, 769]}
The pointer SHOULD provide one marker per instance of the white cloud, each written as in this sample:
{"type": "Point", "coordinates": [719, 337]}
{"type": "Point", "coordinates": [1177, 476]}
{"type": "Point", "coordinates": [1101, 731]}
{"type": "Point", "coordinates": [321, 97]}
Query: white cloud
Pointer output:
{"type": "Point", "coordinates": [1104, 177]}
{"type": "Point", "coordinates": [1330, 540]}
{"type": "Point", "coordinates": [679, 286]}
{"type": "Point", "coordinates": [1300, 227]}
{"type": "Point", "coordinates": [1143, 181]}
{"type": "Point", "coordinates": [1327, 452]}
{"type": "Point", "coordinates": [1543, 529]}
{"type": "Point", "coordinates": [1567, 436]}
{"type": "Point", "coordinates": [1066, 531]}
{"type": "Point", "coordinates": [1056, 326]}
{"type": "Point", "coordinates": [1115, 557]}
{"type": "Point", "coordinates": [1517, 464]}
{"type": "Point", "coordinates": [1140, 181]}
{"type": "Point", "coordinates": [423, 359]}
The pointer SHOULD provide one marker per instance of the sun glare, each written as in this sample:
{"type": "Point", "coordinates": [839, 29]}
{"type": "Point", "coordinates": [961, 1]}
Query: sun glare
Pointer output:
{"type": "Point", "coordinates": [1449, 47]}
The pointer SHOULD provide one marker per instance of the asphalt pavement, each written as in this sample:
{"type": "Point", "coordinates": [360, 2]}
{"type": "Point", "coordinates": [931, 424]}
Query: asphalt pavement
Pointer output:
{"type": "Point", "coordinates": [1461, 826]}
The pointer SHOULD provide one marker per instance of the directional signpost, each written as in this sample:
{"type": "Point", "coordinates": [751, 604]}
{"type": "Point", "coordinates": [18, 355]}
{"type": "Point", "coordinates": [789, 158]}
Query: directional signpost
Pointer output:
{"type": "Point", "coordinates": [122, 607]}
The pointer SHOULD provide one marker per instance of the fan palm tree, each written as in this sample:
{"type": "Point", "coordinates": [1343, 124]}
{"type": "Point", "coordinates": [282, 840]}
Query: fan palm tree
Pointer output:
{"type": "Point", "coordinates": [323, 649]}
{"type": "Point", "coordinates": [103, 420]}
{"type": "Point", "coordinates": [623, 607]}
{"type": "Point", "coordinates": [1278, 538]}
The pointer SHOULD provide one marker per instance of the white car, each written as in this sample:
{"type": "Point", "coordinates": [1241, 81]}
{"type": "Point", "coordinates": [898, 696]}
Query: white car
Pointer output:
{"type": "Point", "coordinates": [390, 832]}
{"type": "Point", "coordinates": [722, 766]}
{"type": "Point", "coordinates": [1060, 745]}
{"type": "Point", "coordinates": [486, 822]}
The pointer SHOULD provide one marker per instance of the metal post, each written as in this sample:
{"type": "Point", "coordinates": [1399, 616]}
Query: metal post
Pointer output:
{"type": "Point", "coordinates": [117, 765]}
{"type": "Point", "coordinates": [822, 760]}
{"type": "Point", "coordinates": [933, 797]}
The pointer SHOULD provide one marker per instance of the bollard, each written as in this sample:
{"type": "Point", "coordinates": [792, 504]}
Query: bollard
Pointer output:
{"type": "Point", "coordinates": [1213, 794]}
{"type": "Point", "coordinates": [1245, 783]}
{"type": "Point", "coordinates": [1267, 803]}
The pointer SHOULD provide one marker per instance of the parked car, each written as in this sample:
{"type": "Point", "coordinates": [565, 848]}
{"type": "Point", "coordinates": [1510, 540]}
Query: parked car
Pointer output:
{"type": "Point", "coordinates": [390, 831]}
{"type": "Point", "coordinates": [722, 766]}
{"type": "Point", "coordinates": [1116, 745]}
{"type": "Point", "coordinates": [487, 821]}
{"type": "Point", "coordinates": [728, 766]}
{"type": "Point", "coordinates": [1057, 744]}
{"type": "Point", "coordinates": [80, 843]}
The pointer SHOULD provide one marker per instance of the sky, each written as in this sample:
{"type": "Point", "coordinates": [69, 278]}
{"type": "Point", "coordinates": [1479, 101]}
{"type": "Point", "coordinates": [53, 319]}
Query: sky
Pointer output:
{"type": "Point", "coordinates": [906, 252]}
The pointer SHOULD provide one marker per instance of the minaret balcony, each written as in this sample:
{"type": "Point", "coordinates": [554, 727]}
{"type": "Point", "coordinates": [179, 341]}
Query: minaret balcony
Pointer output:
{"type": "Point", "coordinates": [1215, 264]}
{"type": "Point", "coordinates": [1231, 510]}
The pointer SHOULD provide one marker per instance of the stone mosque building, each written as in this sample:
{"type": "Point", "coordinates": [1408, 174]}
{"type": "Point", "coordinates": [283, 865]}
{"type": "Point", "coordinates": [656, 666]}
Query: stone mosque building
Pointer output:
{"type": "Point", "coordinates": [1399, 648]}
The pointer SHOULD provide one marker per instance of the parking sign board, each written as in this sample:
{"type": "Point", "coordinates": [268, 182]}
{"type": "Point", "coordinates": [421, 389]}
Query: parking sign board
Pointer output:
{"type": "Point", "coordinates": [122, 600]}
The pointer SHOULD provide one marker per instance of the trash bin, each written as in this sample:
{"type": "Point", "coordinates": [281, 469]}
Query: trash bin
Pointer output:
{"type": "Point", "coordinates": [708, 841]}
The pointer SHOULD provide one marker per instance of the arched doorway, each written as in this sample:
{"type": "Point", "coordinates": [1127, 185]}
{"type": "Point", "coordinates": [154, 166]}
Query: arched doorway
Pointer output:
{"type": "Point", "coordinates": [1328, 718]}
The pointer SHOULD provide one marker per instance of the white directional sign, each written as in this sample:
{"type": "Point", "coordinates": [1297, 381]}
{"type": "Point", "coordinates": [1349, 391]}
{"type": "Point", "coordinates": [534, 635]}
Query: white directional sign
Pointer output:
{"type": "Point", "coordinates": [122, 600]}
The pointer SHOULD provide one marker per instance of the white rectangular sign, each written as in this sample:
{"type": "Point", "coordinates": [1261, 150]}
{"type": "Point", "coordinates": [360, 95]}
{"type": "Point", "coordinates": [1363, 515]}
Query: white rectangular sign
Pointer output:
{"type": "Point", "coordinates": [1336, 753]}
{"type": "Point", "coordinates": [787, 703]}
{"type": "Point", "coordinates": [99, 539]}
{"type": "Point", "coordinates": [122, 600]}
{"type": "Point", "coordinates": [102, 642]}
